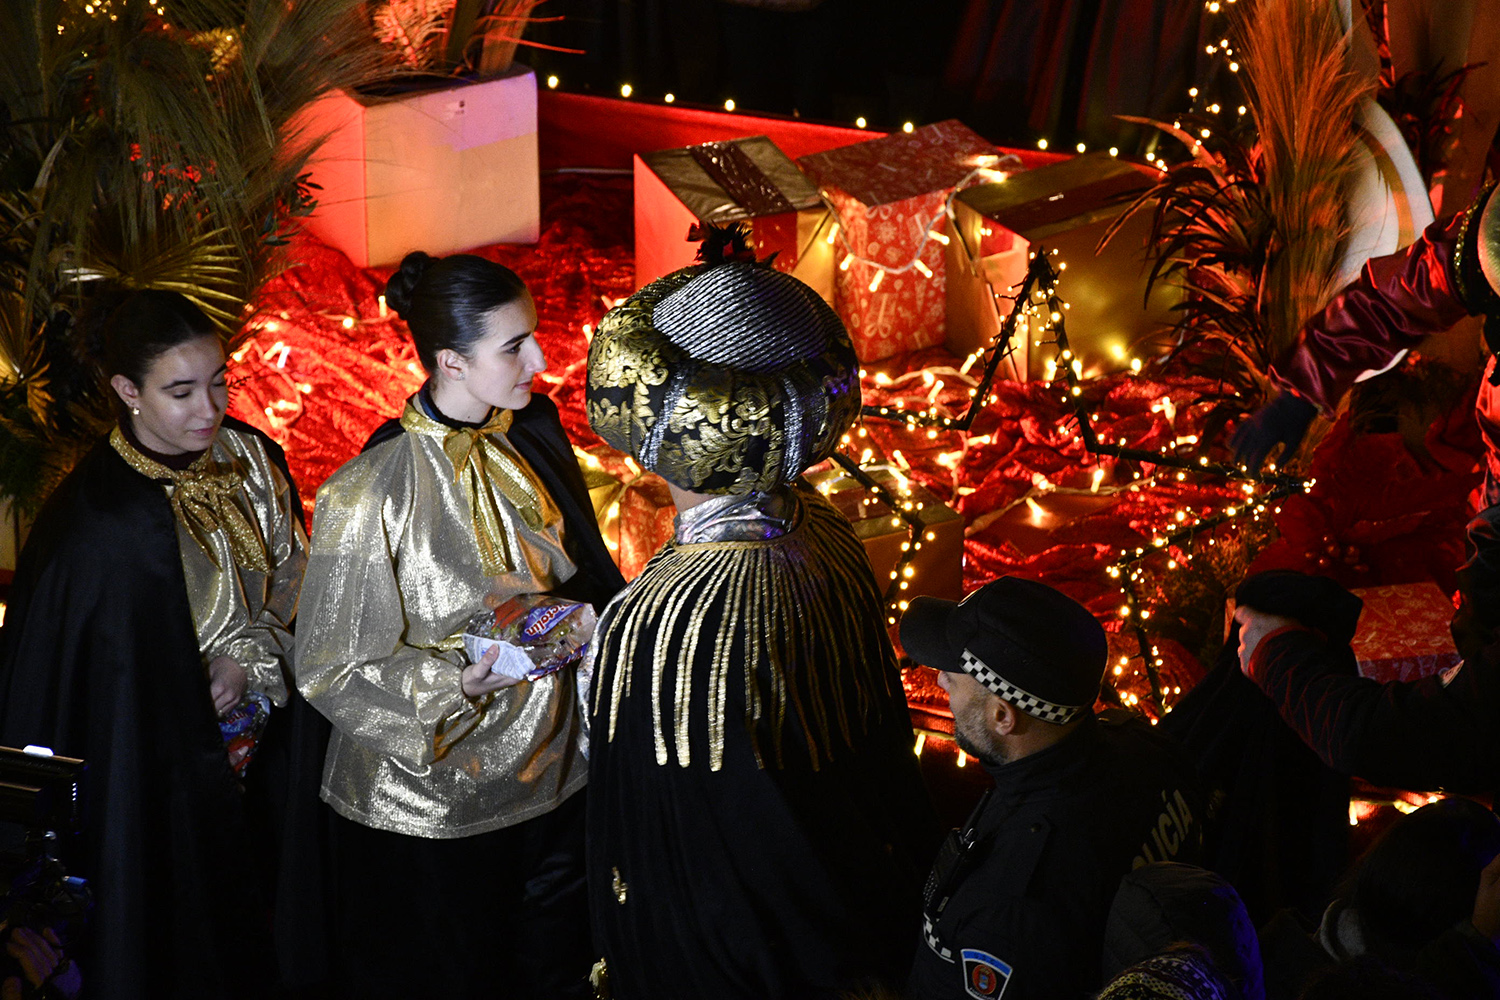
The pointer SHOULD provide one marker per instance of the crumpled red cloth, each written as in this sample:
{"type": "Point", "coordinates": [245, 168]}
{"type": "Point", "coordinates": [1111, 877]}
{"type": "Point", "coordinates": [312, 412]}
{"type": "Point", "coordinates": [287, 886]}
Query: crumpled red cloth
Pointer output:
{"type": "Point", "coordinates": [323, 368]}
{"type": "Point", "coordinates": [1378, 515]}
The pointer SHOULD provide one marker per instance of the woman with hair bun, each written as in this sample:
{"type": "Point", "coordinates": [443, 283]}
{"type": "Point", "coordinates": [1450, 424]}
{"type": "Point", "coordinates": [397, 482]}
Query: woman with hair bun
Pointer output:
{"type": "Point", "coordinates": [458, 792]}
{"type": "Point", "coordinates": [154, 598]}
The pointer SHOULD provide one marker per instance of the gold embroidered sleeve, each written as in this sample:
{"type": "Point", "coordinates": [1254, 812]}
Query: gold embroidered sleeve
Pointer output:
{"type": "Point", "coordinates": [263, 646]}
{"type": "Point", "coordinates": [354, 662]}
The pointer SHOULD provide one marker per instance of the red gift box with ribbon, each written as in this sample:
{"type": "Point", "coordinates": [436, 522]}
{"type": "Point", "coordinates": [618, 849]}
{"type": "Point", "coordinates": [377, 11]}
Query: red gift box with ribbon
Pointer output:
{"type": "Point", "coordinates": [889, 195]}
{"type": "Point", "coordinates": [1403, 632]}
{"type": "Point", "coordinates": [634, 507]}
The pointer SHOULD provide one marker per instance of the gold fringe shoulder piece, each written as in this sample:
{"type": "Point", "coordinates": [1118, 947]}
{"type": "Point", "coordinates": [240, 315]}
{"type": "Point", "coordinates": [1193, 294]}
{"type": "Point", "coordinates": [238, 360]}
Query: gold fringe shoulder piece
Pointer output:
{"type": "Point", "coordinates": [780, 643]}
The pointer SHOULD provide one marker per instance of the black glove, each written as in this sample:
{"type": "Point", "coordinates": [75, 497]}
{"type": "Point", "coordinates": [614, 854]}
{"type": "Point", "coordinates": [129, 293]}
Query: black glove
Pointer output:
{"type": "Point", "coordinates": [1282, 421]}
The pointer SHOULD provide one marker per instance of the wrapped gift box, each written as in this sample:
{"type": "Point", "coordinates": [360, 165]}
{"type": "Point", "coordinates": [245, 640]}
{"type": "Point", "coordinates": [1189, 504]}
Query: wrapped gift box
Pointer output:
{"type": "Point", "coordinates": [1067, 207]}
{"type": "Point", "coordinates": [1403, 632]}
{"type": "Point", "coordinates": [938, 568]}
{"type": "Point", "coordinates": [634, 507]}
{"type": "Point", "coordinates": [887, 194]}
{"type": "Point", "coordinates": [742, 180]}
{"type": "Point", "coordinates": [435, 170]}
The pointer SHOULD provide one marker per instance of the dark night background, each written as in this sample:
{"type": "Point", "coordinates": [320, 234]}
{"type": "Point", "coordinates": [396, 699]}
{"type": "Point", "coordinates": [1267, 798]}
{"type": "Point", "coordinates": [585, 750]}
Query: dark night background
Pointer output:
{"type": "Point", "coordinates": [1015, 70]}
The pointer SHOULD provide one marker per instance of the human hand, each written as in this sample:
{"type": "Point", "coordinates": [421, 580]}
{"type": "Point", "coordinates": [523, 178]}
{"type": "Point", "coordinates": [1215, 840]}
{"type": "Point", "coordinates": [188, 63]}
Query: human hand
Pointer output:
{"type": "Point", "coordinates": [226, 683]}
{"type": "Point", "coordinates": [1283, 421]}
{"type": "Point", "coordinates": [39, 955]}
{"type": "Point", "coordinates": [477, 679]}
{"type": "Point", "coordinates": [1486, 917]}
{"type": "Point", "coordinates": [1255, 626]}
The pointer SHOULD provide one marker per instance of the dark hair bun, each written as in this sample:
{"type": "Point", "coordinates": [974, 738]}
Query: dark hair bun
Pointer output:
{"type": "Point", "coordinates": [398, 290]}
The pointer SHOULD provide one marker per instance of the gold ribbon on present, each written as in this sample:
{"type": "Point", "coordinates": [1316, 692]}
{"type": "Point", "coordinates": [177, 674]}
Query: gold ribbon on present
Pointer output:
{"type": "Point", "coordinates": [607, 496]}
{"type": "Point", "coordinates": [202, 499]}
{"type": "Point", "coordinates": [480, 467]}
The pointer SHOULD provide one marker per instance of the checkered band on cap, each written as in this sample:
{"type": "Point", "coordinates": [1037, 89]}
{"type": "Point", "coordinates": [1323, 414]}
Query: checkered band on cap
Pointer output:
{"type": "Point", "coordinates": [1024, 700]}
{"type": "Point", "coordinates": [929, 934]}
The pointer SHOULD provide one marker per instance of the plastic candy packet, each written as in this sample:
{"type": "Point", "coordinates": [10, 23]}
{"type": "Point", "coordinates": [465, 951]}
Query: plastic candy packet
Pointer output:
{"type": "Point", "coordinates": [242, 728]}
{"type": "Point", "coordinates": [537, 635]}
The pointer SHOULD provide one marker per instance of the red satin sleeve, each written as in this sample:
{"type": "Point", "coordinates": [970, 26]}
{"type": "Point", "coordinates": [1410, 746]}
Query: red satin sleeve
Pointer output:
{"type": "Point", "coordinates": [1395, 302]}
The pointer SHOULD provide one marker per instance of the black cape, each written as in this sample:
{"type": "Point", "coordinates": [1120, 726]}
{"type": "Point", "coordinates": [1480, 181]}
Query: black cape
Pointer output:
{"type": "Point", "coordinates": [99, 660]}
{"type": "Point", "coordinates": [788, 881]}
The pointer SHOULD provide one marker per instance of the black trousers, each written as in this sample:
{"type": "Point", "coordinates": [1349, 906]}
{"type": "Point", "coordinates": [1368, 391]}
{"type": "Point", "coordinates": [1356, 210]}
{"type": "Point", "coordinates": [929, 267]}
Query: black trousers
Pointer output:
{"type": "Point", "coordinates": [499, 915]}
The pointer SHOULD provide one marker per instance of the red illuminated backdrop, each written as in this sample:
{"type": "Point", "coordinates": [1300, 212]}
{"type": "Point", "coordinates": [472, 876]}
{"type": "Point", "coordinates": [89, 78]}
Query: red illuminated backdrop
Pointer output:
{"type": "Point", "coordinates": [326, 365]}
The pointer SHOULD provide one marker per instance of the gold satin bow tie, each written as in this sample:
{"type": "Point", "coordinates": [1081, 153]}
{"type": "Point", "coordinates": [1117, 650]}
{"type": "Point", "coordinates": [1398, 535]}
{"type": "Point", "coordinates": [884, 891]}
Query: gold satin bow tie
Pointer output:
{"type": "Point", "coordinates": [481, 466]}
{"type": "Point", "coordinates": [203, 501]}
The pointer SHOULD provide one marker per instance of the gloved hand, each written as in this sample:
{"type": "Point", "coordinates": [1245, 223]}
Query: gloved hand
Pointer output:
{"type": "Point", "coordinates": [1284, 421]}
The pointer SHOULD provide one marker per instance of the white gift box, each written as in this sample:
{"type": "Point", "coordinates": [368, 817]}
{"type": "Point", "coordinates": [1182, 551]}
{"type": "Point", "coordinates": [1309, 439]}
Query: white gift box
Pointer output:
{"type": "Point", "coordinates": [435, 170]}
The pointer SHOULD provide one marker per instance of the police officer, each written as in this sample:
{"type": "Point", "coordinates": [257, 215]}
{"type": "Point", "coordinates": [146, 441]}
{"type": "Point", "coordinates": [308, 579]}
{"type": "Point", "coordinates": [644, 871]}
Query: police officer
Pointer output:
{"type": "Point", "coordinates": [1017, 901]}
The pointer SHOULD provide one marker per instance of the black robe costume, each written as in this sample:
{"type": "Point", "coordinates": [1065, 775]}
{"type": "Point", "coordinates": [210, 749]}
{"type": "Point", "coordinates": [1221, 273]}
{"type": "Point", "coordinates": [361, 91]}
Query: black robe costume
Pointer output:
{"type": "Point", "coordinates": [99, 659]}
{"type": "Point", "coordinates": [763, 837]}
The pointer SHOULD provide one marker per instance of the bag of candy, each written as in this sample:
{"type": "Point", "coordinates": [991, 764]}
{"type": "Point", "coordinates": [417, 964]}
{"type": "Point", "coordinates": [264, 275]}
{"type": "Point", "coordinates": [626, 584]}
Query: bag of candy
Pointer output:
{"type": "Point", "coordinates": [536, 634]}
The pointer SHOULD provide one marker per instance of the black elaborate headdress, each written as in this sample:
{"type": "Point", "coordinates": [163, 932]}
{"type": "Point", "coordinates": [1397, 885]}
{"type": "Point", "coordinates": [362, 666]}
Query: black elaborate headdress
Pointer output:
{"type": "Point", "coordinates": [724, 377]}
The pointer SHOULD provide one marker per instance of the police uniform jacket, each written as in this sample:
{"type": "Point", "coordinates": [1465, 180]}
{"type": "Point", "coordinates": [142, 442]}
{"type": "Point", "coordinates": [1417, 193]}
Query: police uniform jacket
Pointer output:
{"type": "Point", "coordinates": [1022, 913]}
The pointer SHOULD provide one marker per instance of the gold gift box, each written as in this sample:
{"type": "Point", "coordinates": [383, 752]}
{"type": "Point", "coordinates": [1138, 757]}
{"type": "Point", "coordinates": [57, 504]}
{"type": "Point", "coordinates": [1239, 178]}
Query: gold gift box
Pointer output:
{"type": "Point", "coordinates": [633, 507]}
{"type": "Point", "coordinates": [938, 566]}
{"type": "Point", "coordinates": [1066, 207]}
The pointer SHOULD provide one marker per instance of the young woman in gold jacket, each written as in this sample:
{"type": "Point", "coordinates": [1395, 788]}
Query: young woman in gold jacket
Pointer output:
{"type": "Point", "coordinates": [154, 596]}
{"type": "Point", "coordinates": [459, 828]}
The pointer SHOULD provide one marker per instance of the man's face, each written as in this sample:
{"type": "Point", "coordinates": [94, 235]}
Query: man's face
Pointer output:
{"type": "Point", "coordinates": [973, 709]}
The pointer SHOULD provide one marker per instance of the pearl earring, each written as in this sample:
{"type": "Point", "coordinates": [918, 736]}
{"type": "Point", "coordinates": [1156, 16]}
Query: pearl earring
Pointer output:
{"type": "Point", "coordinates": [135, 410]}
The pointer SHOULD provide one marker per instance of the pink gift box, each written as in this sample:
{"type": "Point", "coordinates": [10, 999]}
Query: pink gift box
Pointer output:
{"type": "Point", "coordinates": [1403, 632]}
{"type": "Point", "coordinates": [888, 193]}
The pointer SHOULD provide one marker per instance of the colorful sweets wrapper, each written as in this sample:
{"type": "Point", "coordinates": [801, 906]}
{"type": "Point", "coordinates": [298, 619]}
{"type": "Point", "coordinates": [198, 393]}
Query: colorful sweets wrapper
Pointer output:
{"type": "Point", "coordinates": [243, 726]}
{"type": "Point", "coordinates": [536, 635]}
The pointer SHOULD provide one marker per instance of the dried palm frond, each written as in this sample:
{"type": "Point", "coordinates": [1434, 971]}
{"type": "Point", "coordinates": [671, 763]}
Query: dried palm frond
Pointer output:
{"type": "Point", "coordinates": [1252, 227]}
{"type": "Point", "coordinates": [147, 144]}
{"type": "Point", "coordinates": [415, 31]}
{"type": "Point", "coordinates": [466, 37]}
{"type": "Point", "coordinates": [1304, 98]}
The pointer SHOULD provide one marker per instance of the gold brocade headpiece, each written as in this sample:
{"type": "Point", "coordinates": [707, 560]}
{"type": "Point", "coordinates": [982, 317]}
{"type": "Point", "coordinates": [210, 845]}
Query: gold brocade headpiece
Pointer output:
{"type": "Point", "coordinates": [724, 377]}
{"type": "Point", "coordinates": [203, 501]}
{"type": "Point", "coordinates": [482, 468]}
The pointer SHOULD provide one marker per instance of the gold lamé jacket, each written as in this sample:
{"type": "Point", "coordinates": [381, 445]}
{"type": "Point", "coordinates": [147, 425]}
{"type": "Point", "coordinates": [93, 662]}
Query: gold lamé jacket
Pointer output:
{"type": "Point", "coordinates": [393, 576]}
{"type": "Point", "coordinates": [240, 612]}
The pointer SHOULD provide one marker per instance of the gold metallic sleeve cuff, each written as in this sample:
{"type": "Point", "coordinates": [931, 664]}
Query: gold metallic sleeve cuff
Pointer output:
{"type": "Point", "coordinates": [353, 662]}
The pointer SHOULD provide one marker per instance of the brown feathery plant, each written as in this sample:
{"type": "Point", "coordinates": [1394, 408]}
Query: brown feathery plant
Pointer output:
{"type": "Point", "coordinates": [1253, 229]}
{"type": "Point", "coordinates": [464, 37]}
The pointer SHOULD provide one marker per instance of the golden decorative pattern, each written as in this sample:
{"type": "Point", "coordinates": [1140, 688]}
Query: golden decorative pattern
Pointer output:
{"type": "Point", "coordinates": [725, 430]}
{"type": "Point", "coordinates": [788, 628]}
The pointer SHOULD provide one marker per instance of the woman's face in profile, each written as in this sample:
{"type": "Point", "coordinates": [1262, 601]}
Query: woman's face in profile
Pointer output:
{"type": "Point", "coordinates": [499, 369]}
{"type": "Point", "coordinates": [182, 398]}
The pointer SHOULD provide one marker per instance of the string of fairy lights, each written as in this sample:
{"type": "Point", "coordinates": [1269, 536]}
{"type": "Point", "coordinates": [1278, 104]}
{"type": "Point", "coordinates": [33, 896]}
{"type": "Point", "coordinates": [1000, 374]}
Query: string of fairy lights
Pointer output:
{"type": "Point", "coordinates": [1039, 313]}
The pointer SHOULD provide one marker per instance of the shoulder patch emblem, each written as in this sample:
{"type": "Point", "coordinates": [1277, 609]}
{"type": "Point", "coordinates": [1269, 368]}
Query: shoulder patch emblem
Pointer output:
{"type": "Point", "coordinates": [985, 975]}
